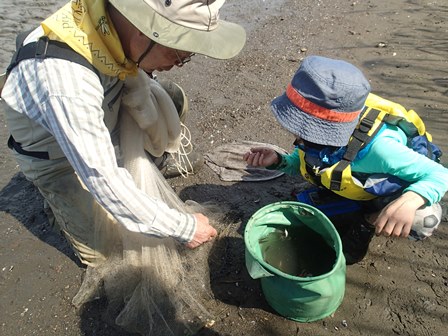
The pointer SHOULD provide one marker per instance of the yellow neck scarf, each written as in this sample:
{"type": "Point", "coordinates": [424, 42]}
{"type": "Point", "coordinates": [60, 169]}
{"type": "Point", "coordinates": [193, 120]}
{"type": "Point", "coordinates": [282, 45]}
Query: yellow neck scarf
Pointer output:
{"type": "Point", "coordinates": [86, 27]}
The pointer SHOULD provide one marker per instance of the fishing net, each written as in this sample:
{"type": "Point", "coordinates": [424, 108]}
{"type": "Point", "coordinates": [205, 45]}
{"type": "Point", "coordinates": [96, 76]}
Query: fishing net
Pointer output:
{"type": "Point", "coordinates": [152, 286]}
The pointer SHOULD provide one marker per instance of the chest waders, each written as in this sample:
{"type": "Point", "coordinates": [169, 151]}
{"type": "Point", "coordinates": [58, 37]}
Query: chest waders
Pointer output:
{"type": "Point", "coordinates": [41, 49]}
{"type": "Point", "coordinates": [377, 111]}
{"type": "Point", "coordinates": [74, 210]}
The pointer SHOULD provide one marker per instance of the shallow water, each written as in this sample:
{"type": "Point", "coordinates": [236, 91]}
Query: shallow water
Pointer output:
{"type": "Point", "coordinates": [298, 251]}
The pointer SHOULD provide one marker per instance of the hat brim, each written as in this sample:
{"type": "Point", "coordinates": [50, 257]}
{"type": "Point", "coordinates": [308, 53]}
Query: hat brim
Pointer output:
{"type": "Point", "coordinates": [311, 128]}
{"type": "Point", "coordinates": [224, 42]}
{"type": "Point", "coordinates": [2, 81]}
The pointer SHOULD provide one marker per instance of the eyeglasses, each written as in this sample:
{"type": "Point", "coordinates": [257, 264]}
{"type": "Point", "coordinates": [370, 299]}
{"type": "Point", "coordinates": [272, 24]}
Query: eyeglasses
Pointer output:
{"type": "Point", "coordinates": [180, 62]}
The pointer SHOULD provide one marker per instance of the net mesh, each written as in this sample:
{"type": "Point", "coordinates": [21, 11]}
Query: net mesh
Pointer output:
{"type": "Point", "coordinates": [153, 286]}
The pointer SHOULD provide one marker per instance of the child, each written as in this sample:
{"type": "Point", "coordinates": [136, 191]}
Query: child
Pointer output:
{"type": "Point", "coordinates": [368, 160]}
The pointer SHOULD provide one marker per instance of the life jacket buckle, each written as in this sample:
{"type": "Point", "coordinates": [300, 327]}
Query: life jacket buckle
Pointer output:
{"type": "Point", "coordinates": [366, 125]}
{"type": "Point", "coordinates": [335, 185]}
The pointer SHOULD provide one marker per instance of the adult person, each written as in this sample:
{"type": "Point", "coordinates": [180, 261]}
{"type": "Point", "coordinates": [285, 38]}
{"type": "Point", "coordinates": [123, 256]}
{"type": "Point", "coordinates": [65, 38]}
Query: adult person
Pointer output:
{"type": "Point", "coordinates": [387, 162]}
{"type": "Point", "coordinates": [61, 111]}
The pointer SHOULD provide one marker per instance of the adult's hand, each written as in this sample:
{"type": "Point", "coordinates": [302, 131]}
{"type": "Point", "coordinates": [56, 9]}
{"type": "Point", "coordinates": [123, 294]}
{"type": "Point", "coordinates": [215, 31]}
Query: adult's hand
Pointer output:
{"type": "Point", "coordinates": [261, 156]}
{"type": "Point", "coordinates": [204, 232]}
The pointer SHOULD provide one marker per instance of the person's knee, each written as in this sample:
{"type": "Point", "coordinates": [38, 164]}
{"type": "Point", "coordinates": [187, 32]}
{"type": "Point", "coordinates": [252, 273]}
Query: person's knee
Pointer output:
{"type": "Point", "coordinates": [86, 254]}
{"type": "Point", "coordinates": [426, 221]}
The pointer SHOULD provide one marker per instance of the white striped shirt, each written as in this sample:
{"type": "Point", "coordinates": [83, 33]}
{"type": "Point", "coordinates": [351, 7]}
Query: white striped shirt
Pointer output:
{"type": "Point", "coordinates": [66, 98]}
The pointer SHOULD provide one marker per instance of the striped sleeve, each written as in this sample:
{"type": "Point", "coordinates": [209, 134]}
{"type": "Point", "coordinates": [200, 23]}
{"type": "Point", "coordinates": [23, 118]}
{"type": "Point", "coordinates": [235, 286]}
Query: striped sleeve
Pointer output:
{"type": "Point", "coordinates": [68, 104]}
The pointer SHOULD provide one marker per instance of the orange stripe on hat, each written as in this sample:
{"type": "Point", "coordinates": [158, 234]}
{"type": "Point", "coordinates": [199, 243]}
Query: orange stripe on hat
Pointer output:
{"type": "Point", "coordinates": [318, 111]}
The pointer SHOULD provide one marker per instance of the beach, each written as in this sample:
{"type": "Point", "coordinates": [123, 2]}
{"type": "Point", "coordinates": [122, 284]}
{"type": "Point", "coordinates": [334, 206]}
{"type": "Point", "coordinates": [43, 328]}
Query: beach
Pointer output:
{"type": "Point", "coordinates": [400, 288]}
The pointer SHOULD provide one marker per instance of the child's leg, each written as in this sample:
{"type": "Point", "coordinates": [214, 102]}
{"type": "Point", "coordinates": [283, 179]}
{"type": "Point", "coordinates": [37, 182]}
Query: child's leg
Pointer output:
{"type": "Point", "coordinates": [426, 221]}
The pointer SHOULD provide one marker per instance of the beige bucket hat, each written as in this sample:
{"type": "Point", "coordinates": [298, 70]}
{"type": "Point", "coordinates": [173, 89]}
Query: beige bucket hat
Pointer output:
{"type": "Point", "coordinates": [188, 25]}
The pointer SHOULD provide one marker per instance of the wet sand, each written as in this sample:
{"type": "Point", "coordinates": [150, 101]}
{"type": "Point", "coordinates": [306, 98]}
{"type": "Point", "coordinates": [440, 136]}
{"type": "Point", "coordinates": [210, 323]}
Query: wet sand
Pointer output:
{"type": "Point", "coordinates": [401, 288]}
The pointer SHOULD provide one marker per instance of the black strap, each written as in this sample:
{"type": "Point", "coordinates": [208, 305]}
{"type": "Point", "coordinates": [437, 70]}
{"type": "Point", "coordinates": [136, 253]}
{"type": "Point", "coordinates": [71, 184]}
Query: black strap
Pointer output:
{"type": "Point", "coordinates": [46, 48]}
{"type": "Point", "coordinates": [18, 148]}
{"type": "Point", "coordinates": [360, 138]}
{"type": "Point", "coordinates": [43, 48]}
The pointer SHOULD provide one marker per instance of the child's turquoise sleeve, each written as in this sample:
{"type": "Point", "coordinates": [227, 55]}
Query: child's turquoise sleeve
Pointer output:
{"type": "Point", "coordinates": [389, 155]}
{"type": "Point", "coordinates": [289, 163]}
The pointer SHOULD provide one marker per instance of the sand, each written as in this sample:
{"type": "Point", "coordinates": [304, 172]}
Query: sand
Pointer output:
{"type": "Point", "coordinates": [400, 288]}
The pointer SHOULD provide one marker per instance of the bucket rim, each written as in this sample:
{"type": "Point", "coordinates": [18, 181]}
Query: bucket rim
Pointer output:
{"type": "Point", "coordinates": [277, 205]}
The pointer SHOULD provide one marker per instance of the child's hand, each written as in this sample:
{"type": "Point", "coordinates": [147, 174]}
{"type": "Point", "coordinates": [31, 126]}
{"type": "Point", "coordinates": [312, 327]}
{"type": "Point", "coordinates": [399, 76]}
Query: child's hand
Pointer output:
{"type": "Point", "coordinates": [397, 217]}
{"type": "Point", "coordinates": [261, 157]}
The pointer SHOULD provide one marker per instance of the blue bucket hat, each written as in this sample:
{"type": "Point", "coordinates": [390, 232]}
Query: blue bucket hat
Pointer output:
{"type": "Point", "coordinates": [323, 102]}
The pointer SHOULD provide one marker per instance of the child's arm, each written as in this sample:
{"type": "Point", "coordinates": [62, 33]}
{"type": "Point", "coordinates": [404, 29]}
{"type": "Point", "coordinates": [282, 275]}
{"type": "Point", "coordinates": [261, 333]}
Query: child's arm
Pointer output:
{"type": "Point", "coordinates": [390, 155]}
{"type": "Point", "coordinates": [427, 178]}
{"type": "Point", "coordinates": [428, 181]}
{"type": "Point", "coordinates": [269, 158]}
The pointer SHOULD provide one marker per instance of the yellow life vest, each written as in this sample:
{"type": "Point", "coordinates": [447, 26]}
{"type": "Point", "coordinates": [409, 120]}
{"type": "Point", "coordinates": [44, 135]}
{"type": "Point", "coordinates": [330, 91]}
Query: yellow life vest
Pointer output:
{"type": "Point", "coordinates": [377, 111]}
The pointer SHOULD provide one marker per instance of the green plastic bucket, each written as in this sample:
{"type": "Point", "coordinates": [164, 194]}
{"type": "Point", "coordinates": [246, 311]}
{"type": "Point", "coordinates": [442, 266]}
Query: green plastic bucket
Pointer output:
{"type": "Point", "coordinates": [296, 252]}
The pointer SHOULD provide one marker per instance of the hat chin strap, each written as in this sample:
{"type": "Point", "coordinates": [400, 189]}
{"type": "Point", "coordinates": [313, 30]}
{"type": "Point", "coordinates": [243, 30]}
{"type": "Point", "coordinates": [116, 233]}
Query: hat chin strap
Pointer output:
{"type": "Point", "coordinates": [146, 52]}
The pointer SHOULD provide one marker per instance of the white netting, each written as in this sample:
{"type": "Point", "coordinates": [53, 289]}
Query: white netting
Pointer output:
{"type": "Point", "coordinates": [180, 157]}
{"type": "Point", "coordinates": [152, 286]}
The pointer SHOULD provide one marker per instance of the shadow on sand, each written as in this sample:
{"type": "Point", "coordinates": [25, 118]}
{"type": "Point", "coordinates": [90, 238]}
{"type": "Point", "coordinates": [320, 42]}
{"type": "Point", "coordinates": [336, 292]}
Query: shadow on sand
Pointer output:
{"type": "Point", "coordinates": [22, 200]}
